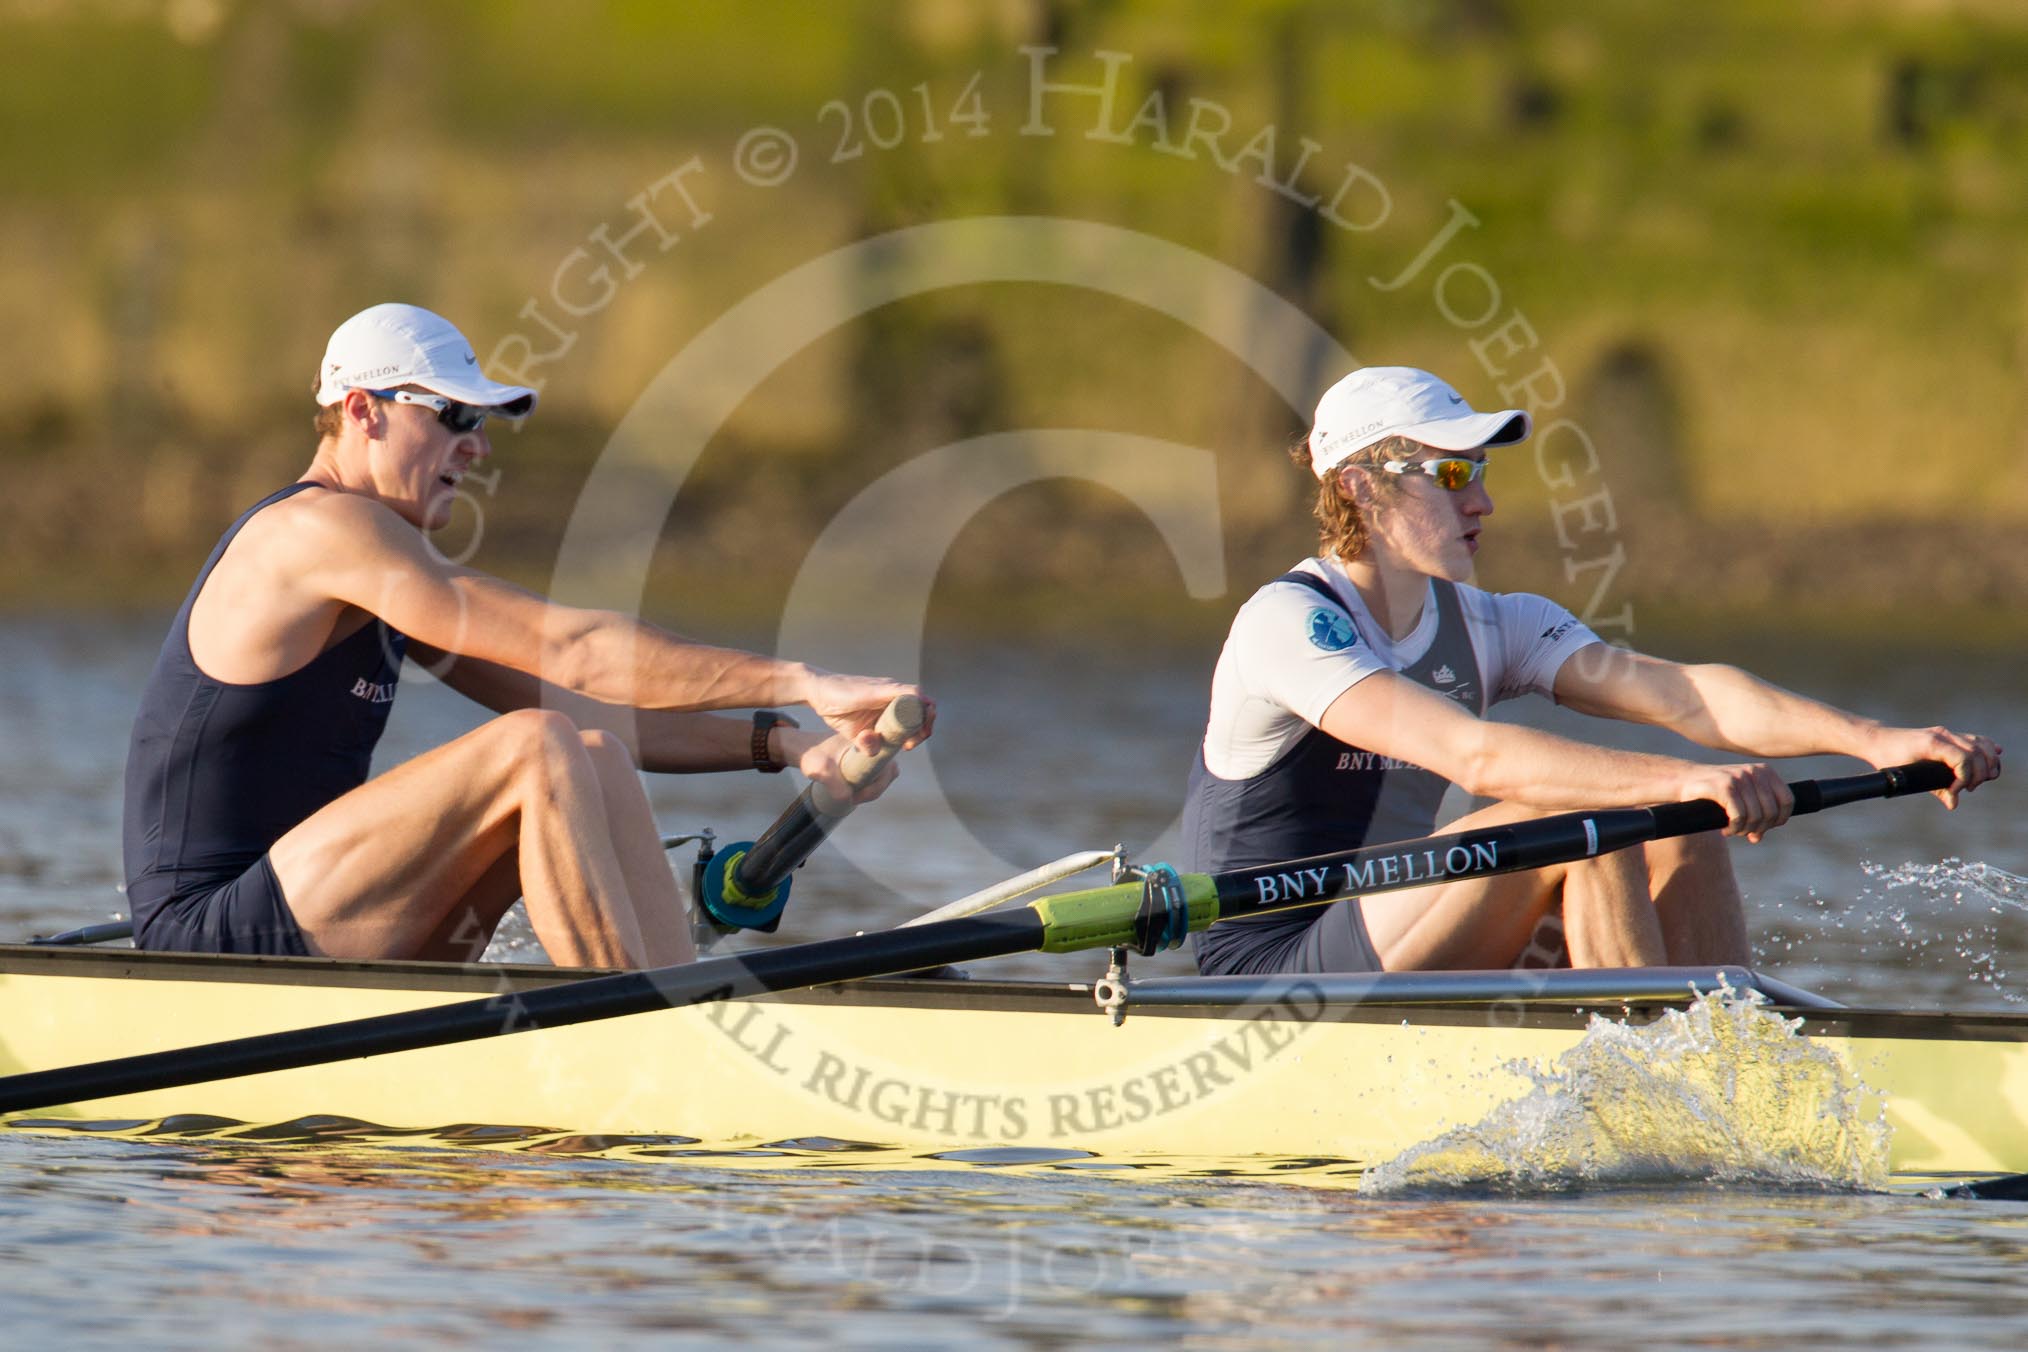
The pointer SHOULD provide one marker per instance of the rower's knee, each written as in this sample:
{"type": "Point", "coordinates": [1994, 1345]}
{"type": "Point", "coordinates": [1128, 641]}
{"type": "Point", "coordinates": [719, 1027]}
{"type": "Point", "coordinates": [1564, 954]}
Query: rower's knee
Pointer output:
{"type": "Point", "coordinates": [543, 747]}
{"type": "Point", "coordinates": [1697, 854]}
{"type": "Point", "coordinates": [1621, 872]}
{"type": "Point", "coordinates": [609, 754]}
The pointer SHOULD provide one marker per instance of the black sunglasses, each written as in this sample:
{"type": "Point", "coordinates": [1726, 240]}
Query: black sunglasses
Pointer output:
{"type": "Point", "coordinates": [460, 418]}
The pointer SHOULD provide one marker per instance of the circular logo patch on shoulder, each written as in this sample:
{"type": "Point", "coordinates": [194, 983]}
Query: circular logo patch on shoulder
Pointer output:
{"type": "Point", "coordinates": [1330, 630]}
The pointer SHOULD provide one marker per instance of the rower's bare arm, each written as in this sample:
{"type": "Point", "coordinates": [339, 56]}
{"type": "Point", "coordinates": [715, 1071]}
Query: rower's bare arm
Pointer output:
{"type": "Point", "coordinates": [662, 740]}
{"type": "Point", "coordinates": [1732, 710]}
{"type": "Point", "coordinates": [1400, 719]}
{"type": "Point", "coordinates": [1717, 706]}
{"type": "Point", "coordinates": [358, 552]}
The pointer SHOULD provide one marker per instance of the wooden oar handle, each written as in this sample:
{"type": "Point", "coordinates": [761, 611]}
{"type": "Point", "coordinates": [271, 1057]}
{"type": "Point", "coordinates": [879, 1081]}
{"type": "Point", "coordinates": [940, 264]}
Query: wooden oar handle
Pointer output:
{"type": "Point", "coordinates": [746, 885]}
{"type": "Point", "coordinates": [899, 721]}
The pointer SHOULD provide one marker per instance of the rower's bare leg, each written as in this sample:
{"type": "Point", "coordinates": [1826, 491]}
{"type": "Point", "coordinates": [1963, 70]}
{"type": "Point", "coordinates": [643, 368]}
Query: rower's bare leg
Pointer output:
{"type": "Point", "coordinates": [660, 918]}
{"type": "Point", "coordinates": [660, 914]}
{"type": "Point", "coordinates": [1608, 918]}
{"type": "Point", "coordinates": [378, 872]}
{"type": "Point", "coordinates": [1697, 897]}
{"type": "Point", "coordinates": [1609, 915]}
{"type": "Point", "coordinates": [1474, 924]}
{"type": "Point", "coordinates": [570, 879]}
{"type": "Point", "coordinates": [467, 928]}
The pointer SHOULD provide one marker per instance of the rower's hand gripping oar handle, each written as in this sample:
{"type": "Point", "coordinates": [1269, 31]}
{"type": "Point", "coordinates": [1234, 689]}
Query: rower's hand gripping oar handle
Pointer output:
{"type": "Point", "coordinates": [1151, 917]}
{"type": "Point", "coordinates": [746, 884]}
{"type": "Point", "coordinates": [1811, 795]}
{"type": "Point", "coordinates": [899, 721]}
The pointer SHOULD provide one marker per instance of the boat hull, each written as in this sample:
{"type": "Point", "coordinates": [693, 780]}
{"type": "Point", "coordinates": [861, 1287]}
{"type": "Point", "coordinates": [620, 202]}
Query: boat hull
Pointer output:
{"type": "Point", "coordinates": [1302, 1079]}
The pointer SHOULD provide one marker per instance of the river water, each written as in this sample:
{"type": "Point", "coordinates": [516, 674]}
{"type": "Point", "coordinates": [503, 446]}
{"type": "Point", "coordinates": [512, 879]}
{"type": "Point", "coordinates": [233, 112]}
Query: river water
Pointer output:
{"type": "Point", "coordinates": [1039, 751]}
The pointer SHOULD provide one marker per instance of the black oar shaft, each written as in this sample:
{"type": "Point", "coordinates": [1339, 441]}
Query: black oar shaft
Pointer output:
{"type": "Point", "coordinates": [1465, 854]}
{"type": "Point", "coordinates": [783, 847]}
{"type": "Point", "coordinates": [103, 933]}
{"type": "Point", "coordinates": [1122, 916]}
{"type": "Point", "coordinates": [1102, 917]}
{"type": "Point", "coordinates": [968, 939]}
{"type": "Point", "coordinates": [1529, 844]}
{"type": "Point", "coordinates": [2005, 1188]}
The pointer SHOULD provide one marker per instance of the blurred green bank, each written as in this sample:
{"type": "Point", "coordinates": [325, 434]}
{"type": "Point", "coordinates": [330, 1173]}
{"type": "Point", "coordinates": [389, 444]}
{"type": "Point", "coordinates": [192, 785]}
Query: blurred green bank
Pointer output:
{"type": "Point", "coordinates": [1769, 258]}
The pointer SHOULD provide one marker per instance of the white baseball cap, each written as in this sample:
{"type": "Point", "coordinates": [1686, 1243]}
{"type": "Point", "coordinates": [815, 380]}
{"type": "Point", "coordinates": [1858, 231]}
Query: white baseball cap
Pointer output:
{"type": "Point", "coordinates": [389, 345]}
{"type": "Point", "coordinates": [1378, 402]}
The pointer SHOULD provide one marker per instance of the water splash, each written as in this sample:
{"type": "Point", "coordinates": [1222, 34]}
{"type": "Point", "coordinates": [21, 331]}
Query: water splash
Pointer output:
{"type": "Point", "coordinates": [1720, 1091]}
{"type": "Point", "coordinates": [1967, 886]}
{"type": "Point", "coordinates": [1974, 881]}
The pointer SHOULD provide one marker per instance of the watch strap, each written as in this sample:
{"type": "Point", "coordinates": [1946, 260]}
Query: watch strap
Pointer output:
{"type": "Point", "coordinates": [764, 722]}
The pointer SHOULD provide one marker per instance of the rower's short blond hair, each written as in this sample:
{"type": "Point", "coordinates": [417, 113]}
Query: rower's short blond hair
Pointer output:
{"type": "Point", "coordinates": [1342, 528]}
{"type": "Point", "coordinates": [330, 419]}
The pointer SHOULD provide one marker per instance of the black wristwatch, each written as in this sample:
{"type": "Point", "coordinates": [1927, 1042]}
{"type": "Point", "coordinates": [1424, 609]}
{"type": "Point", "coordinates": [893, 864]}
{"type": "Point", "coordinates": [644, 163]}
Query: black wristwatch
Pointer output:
{"type": "Point", "coordinates": [764, 722]}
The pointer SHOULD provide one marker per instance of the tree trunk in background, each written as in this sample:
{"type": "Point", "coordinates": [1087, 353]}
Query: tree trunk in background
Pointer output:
{"type": "Point", "coordinates": [1292, 261]}
{"type": "Point", "coordinates": [1628, 405]}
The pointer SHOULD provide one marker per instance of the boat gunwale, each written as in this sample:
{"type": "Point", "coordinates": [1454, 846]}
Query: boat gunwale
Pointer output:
{"type": "Point", "coordinates": [1528, 1008]}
